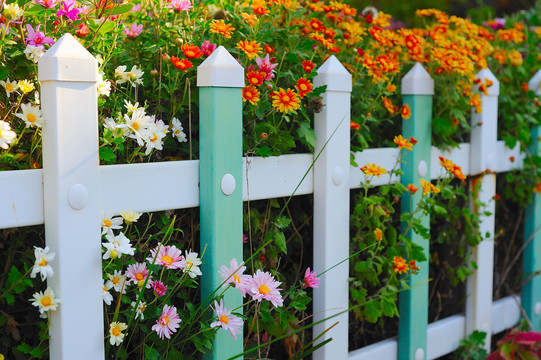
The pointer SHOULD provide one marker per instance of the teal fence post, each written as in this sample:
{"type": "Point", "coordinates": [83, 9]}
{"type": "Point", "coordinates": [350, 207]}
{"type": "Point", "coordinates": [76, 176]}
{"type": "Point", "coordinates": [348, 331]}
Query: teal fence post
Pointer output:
{"type": "Point", "coordinates": [531, 292]}
{"type": "Point", "coordinates": [417, 91]}
{"type": "Point", "coordinates": [220, 79]}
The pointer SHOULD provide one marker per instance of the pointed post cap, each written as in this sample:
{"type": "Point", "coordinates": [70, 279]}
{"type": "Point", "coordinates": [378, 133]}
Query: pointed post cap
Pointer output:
{"type": "Point", "coordinates": [220, 69]}
{"type": "Point", "coordinates": [535, 83]}
{"type": "Point", "coordinates": [484, 75]}
{"type": "Point", "coordinates": [333, 74]}
{"type": "Point", "coordinates": [68, 60]}
{"type": "Point", "coordinates": [417, 82]}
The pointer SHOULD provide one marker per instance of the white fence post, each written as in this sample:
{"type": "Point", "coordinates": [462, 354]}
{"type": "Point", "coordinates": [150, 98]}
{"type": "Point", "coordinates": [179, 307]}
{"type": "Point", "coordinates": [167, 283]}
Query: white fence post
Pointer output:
{"type": "Point", "coordinates": [482, 160]}
{"type": "Point", "coordinates": [331, 208]}
{"type": "Point", "coordinates": [68, 74]}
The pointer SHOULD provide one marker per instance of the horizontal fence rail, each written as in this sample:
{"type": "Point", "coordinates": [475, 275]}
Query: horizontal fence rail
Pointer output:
{"type": "Point", "coordinates": [40, 196]}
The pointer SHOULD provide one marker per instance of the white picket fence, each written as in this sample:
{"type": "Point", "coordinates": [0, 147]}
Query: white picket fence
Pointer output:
{"type": "Point", "coordinates": [68, 194]}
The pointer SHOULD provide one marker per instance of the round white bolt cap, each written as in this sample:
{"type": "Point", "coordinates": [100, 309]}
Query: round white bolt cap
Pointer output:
{"type": "Point", "coordinates": [422, 168]}
{"type": "Point", "coordinates": [228, 184]}
{"type": "Point", "coordinates": [338, 176]}
{"type": "Point", "coordinates": [537, 309]}
{"type": "Point", "coordinates": [78, 196]}
{"type": "Point", "coordinates": [420, 354]}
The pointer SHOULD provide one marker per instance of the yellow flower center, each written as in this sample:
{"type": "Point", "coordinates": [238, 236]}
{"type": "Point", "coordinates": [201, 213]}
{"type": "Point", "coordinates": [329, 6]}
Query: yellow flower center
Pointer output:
{"type": "Point", "coordinates": [9, 87]}
{"type": "Point", "coordinates": [46, 301]}
{"type": "Point", "coordinates": [264, 289]}
{"type": "Point", "coordinates": [139, 276]}
{"type": "Point", "coordinates": [189, 264]}
{"type": "Point", "coordinates": [236, 278]}
{"type": "Point", "coordinates": [105, 288]}
{"type": "Point", "coordinates": [154, 137]}
{"type": "Point", "coordinates": [286, 98]}
{"type": "Point", "coordinates": [167, 259]}
{"type": "Point", "coordinates": [43, 262]}
{"type": "Point", "coordinates": [31, 118]}
{"type": "Point", "coordinates": [115, 280]}
{"type": "Point", "coordinates": [116, 331]}
{"type": "Point", "coordinates": [135, 126]}
{"type": "Point", "coordinates": [224, 319]}
{"type": "Point", "coordinates": [107, 223]}
{"type": "Point", "coordinates": [303, 87]}
{"type": "Point", "coordinates": [164, 320]}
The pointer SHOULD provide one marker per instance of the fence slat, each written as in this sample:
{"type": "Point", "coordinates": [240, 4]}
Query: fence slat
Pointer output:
{"type": "Point", "coordinates": [331, 207]}
{"type": "Point", "coordinates": [220, 79]}
{"type": "Point", "coordinates": [531, 291]}
{"type": "Point", "coordinates": [68, 74]}
{"type": "Point", "coordinates": [482, 162]}
{"type": "Point", "coordinates": [417, 91]}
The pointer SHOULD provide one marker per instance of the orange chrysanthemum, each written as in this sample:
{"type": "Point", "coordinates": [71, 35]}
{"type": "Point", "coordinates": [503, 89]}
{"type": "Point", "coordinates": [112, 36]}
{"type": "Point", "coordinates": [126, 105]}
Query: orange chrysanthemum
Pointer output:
{"type": "Point", "coordinates": [308, 66]}
{"type": "Point", "coordinates": [250, 19]}
{"type": "Point", "coordinates": [354, 125]}
{"type": "Point", "coordinates": [537, 188]}
{"type": "Point", "coordinates": [373, 170]}
{"type": "Point", "coordinates": [400, 265]}
{"type": "Point", "coordinates": [405, 111]}
{"type": "Point", "coordinates": [304, 86]}
{"type": "Point", "coordinates": [285, 100]}
{"type": "Point", "coordinates": [182, 64]}
{"type": "Point", "coordinates": [412, 189]}
{"type": "Point", "coordinates": [251, 94]}
{"type": "Point", "coordinates": [220, 27]}
{"type": "Point", "coordinates": [379, 234]}
{"type": "Point", "coordinates": [251, 47]}
{"type": "Point", "coordinates": [403, 143]}
{"type": "Point", "coordinates": [428, 187]}
{"type": "Point", "coordinates": [191, 51]}
{"type": "Point", "coordinates": [453, 168]}
{"type": "Point", "coordinates": [254, 78]}
{"type": "Point", "coordinates": [391, 108]}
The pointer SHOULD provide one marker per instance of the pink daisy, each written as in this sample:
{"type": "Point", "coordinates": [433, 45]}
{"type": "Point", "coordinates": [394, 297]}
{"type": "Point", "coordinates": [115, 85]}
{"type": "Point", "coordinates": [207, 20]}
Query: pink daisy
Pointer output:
{"type": "Point", "coordinates": [168, 256]}
{"type": "Point", "coordinates": [263, 286]}
{"type": "Point", "coordinates": [159, 288]}
{"type": "Point", "coordinates": [226, 321]}
{"type": "Point", "coordinates": [168, 323]}
{"type": "Point", "coordinates": [180, 5]}
{"type": "Point", "coordinates": [266, 67]}
{"type": "Point", "coordinates": [310, 279]}
{"type": "Point", "coordinates": [133, 31]}
{"type": "Point", "coordinates": [234, 275]}
{"type": "Point", "coordinates": [207, 47]}
{"type": "Point", "coordinates": [137, 274]}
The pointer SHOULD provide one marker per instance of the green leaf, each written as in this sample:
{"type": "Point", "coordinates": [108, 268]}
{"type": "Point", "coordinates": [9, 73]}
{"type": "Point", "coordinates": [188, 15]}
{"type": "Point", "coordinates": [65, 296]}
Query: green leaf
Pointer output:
{"type": "Point", "coordinates": [24, 348]}
{"type": "Point", "coordinates": [280, 241]}
{"type": "Point", "coordinates": [282, 222]}
{"type": "Point", "coordinates": [439, 210]}
{"type": "Point", "coordinates": [107, 154]}
{"type": "Point", "coordinates": [264, 151]}
{"type": "Point", "coordinates": [151, 353]}
{"type": "Point", "coordinates": [306, 132]}
{"type": "Point", "coordinates": [122, 9]}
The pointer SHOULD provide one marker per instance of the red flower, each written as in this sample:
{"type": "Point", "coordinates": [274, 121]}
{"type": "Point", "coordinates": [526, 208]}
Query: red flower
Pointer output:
{"type": "Point", "coordinates": [191, 51]}
{"type": "Point", "coordinates": [354, 125]}
{"type": "Point", "coordinates": [269, 49]}
{"type": "Point", "coordinates": [182, 64]}
{"type": "Point", "coordinates": [254, 78]}
{"type": "Point", "coordinates": [308, 66]}
{"type": "Point", "coordinates": [304, 86]}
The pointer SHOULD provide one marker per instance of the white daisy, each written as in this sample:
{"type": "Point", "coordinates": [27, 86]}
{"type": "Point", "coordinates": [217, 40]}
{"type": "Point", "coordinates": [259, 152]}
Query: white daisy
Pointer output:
{"type": "Point", "coordinates": [10, 86]}
{"type": "Point", "coordinates": [107, 297]}
{"type": "Point", "coordinates": [31, 115]}
{"type": "Point", "coordinates": [190, 264]}
{"type": "Point", "coordinates": [116, 281]}
{"type": "Point", "coordinates": [45, 301]}
{"type": "Point", "coordinates": [110, 223]}
{"type": "Point", "coordinates": [177, 130]}
{"type": "Point", "coordinates": [6, 135]}
{"type": "Point", "coordinates": [41, 265]}
{"type": "Point", "coordinates": [138, 124]}
{"type": "Point", "coordinates": [140, 309]}
{"type": "Point", "coordinates": [34, 52]}
{"type": "Point", "coordinates": [157, 132]}
{"type": "Point", "coordinates": [130, 216]}
{"type": "Point", "coordinates": [117, 246]}
{"type": "Point", "coordinates": [104, 86]}
{"type": "Point", "coordinates": [117, 336]}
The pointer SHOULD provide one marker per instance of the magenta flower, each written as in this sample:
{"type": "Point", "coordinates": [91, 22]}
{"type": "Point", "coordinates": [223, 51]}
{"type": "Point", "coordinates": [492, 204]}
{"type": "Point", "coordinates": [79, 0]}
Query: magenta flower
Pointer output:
{"type": "Point", "coordinates": [234, 275]}
{"type": "Point", "coordinates": [159, 288]}
{"type": "Point", "coordinates": [208, 48]}
{"type": "Point", "coordinates": [67, 8]}
{"type": "Point", "coordinates": [168, 323]}
{"type": "Point", "coordinates": [47, 3]}
{"type": "Point", "coordinates": [180, 5]}
{"type": "Point", "coordinates": [263, 286]}
{"type": "Point", "coordinates": [266, 67]}
{"type": "Point", "coordinates": [134, 30]}
{"type": "Point", "coordinates": [36, 37]}
{"type": "Point", "coordinates": [226, 321]}
{"type": "Point", "coordinates": [137, 274]}
{"type": "Point", "coordinates": [168, 256]}
{"type": "Point", "coordinates": [310, 279]}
